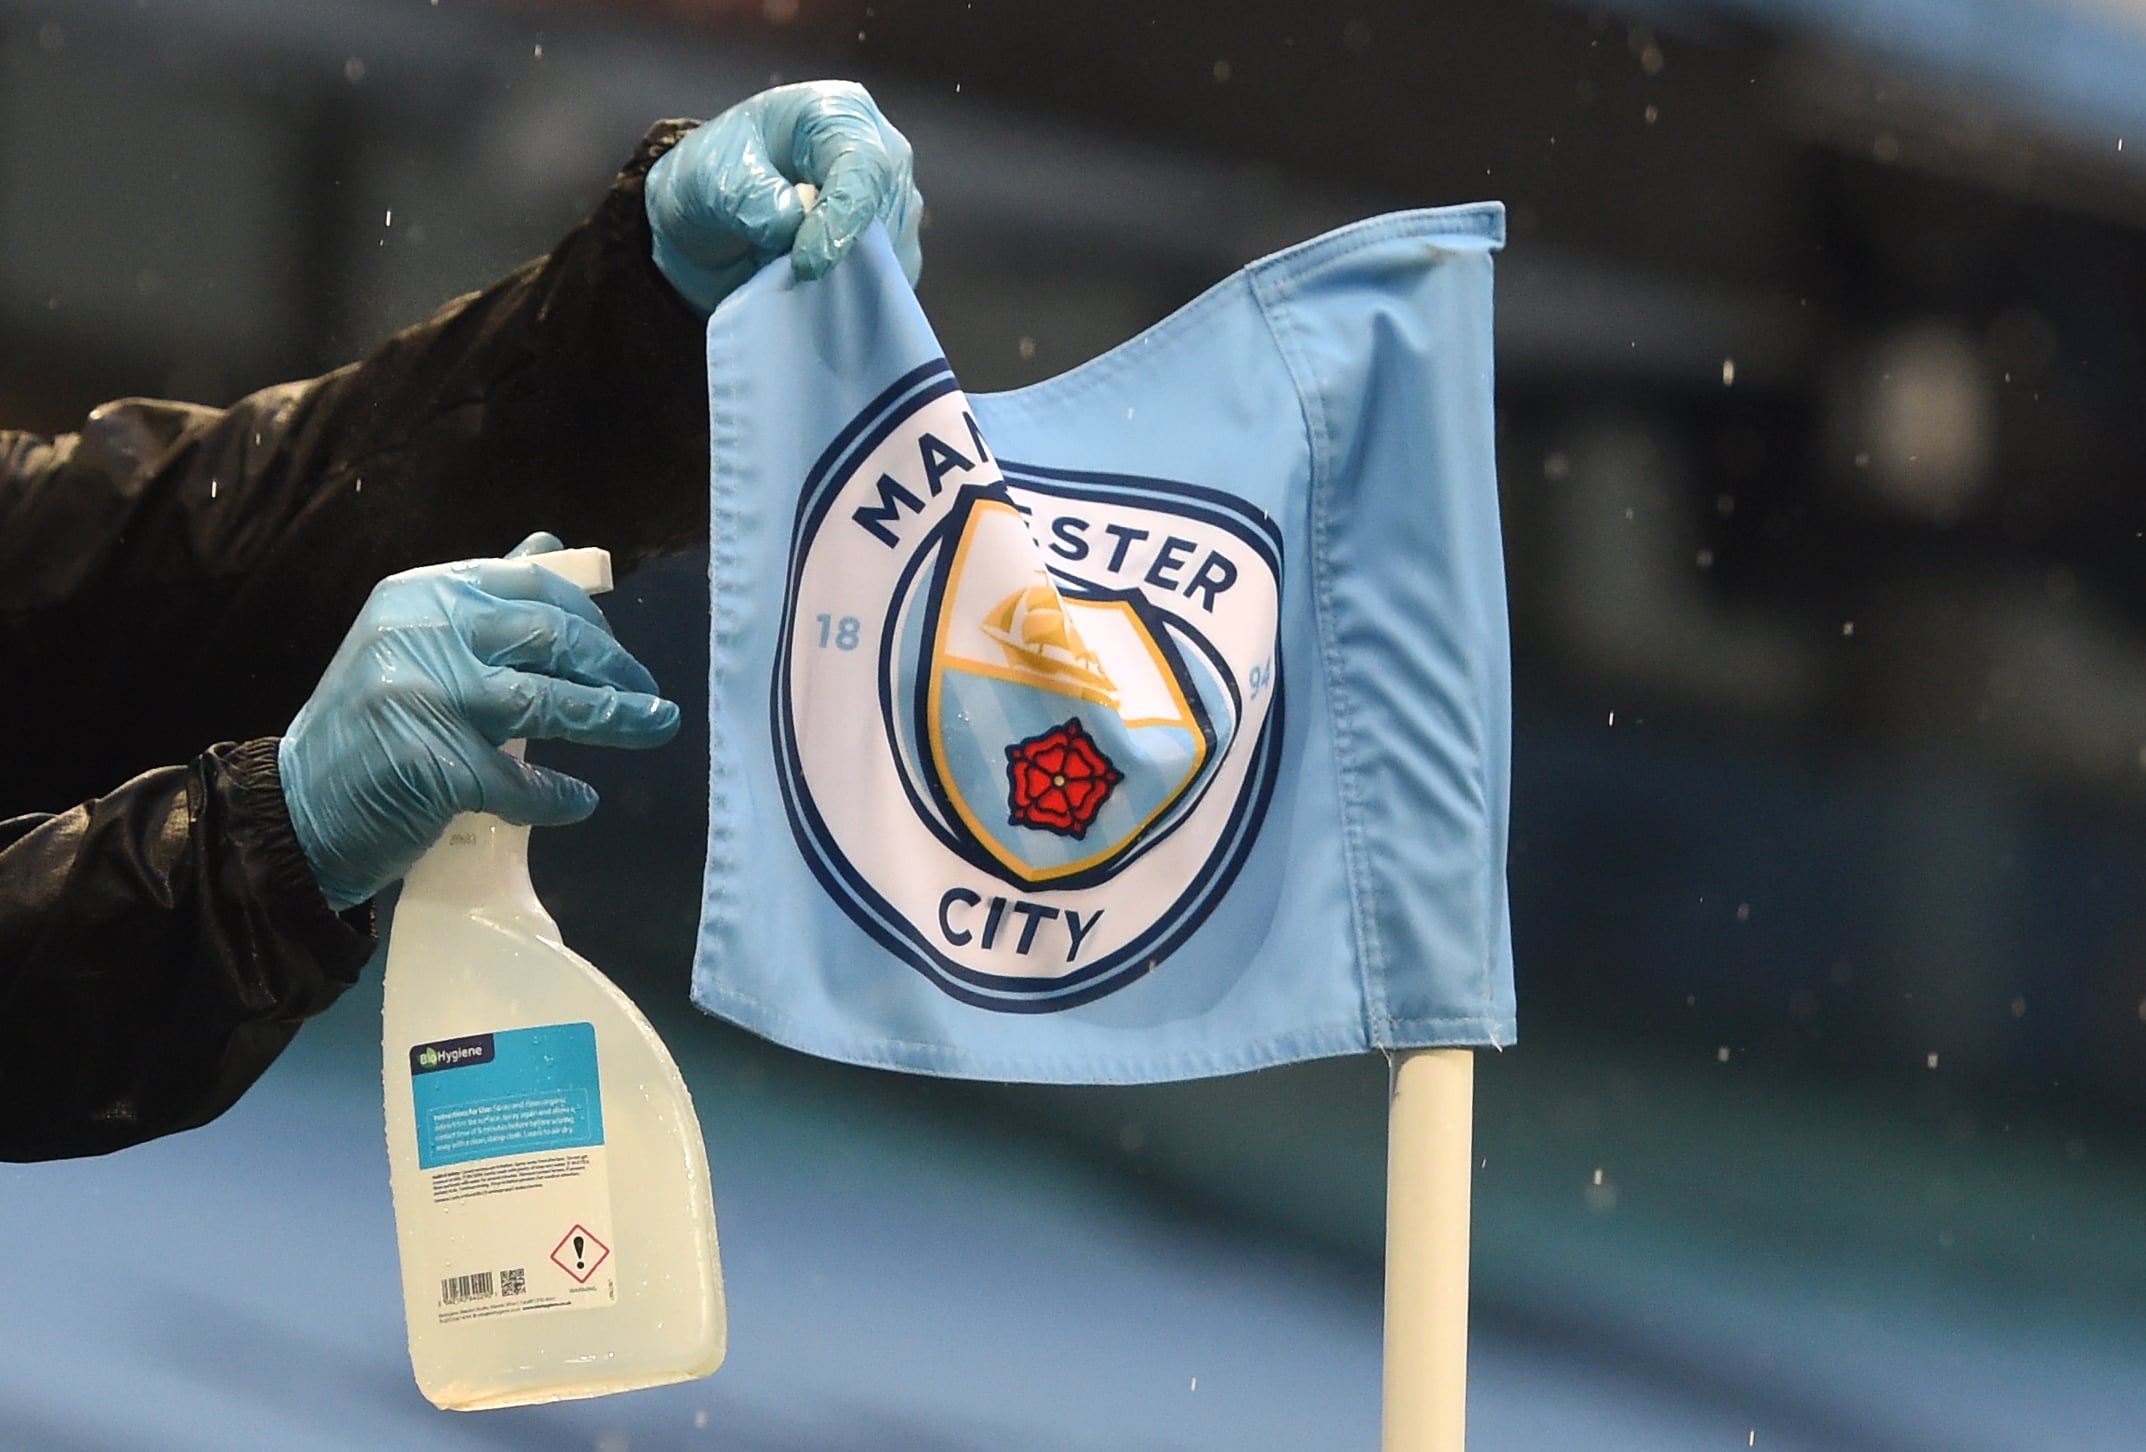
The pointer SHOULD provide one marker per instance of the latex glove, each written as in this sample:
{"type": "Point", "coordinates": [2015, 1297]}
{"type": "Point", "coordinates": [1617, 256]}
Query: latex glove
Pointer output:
{"type": "Point", "coordinates": [443, 665]}
{"type": "Point", "coordinates": [722, 203]}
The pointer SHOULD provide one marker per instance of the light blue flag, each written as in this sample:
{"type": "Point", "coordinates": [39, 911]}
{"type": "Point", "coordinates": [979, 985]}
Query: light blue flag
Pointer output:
{"type": "Point", "coordinates": [1148, 723]}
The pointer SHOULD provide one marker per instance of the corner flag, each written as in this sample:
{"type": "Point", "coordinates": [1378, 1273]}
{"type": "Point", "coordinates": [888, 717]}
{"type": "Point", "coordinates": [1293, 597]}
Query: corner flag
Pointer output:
{"type": "Point", "coordinates": [1148, 723]}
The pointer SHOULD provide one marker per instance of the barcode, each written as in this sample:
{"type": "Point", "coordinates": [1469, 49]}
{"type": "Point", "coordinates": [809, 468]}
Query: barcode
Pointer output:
{"type": "Point", "coordinates": [456, 1289]}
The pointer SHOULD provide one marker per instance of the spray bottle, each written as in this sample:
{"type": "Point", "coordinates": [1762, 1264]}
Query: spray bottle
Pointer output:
{"type": "Point", "coordinates": [552, 1204]}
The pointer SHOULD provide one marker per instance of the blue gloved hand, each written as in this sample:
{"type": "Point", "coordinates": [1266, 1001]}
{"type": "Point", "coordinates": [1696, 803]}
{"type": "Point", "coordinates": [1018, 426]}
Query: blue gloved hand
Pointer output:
{"type": "Point", "coordinates": [444, 664]}
{"type": "Point", "coordinates": [722, 203]}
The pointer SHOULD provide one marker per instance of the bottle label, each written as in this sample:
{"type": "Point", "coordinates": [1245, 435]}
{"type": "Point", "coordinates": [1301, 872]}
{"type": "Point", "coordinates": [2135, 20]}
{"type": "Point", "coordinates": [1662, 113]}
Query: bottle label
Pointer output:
{"type": "Point", "coordinates": [510, 1137]}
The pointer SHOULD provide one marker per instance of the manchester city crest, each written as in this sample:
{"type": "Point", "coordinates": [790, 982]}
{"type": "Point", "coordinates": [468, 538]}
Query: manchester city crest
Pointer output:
{"type": "Point", "coordinates": [1027, 718]}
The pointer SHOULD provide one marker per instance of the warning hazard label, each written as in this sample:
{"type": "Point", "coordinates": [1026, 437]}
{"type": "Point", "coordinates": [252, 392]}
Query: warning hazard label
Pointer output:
{"type": "Point", "coordinates": [579, 1253]}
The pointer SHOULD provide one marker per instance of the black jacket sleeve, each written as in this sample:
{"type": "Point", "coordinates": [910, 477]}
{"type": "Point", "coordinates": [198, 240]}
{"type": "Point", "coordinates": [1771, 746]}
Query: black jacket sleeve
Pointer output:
{"type": "Point", "coordinates": [172, 576]}
{"type": "Point", "coordinates": [158, 947]}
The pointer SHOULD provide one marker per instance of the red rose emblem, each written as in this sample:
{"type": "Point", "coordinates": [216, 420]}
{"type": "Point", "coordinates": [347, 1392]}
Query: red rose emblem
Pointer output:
{"type": "Point", "coordinates": [1058, 781]}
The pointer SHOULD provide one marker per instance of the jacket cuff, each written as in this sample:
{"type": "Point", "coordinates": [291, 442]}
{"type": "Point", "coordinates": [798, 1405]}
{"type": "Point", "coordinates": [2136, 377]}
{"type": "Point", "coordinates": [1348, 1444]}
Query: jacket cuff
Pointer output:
{"type": "Point", "coordinates": [627, 209]}
{"type": "Point", "coordinates": [269, 856]}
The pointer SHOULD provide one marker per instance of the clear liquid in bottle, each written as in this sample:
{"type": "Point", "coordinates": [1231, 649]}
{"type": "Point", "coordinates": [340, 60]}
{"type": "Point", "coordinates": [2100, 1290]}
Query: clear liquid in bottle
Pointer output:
{"type": "Point", "coordinates": [552, 1203]}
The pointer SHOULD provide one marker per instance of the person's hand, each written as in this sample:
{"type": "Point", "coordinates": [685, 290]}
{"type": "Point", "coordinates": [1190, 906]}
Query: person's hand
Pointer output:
{"type": "Point", "coordinates": [445, 664]}
{"type": "Point", "coordinates": [723, 202]}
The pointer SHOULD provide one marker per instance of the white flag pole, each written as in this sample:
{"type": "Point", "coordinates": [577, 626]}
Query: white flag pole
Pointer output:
{"type": "Point", "coordinates": [1429, 1169]}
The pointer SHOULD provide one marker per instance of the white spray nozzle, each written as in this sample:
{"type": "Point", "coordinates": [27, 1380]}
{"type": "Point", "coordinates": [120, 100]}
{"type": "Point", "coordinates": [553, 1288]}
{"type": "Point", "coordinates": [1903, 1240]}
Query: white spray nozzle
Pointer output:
{"type": "Point", "coordinates": [590, 568]}
{"type": "Point", "coordinates": [807, 194]}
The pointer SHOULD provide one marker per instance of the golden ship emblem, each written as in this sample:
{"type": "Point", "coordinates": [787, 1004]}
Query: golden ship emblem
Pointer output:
{"type": "Point", "coordinates": [1034, 628]}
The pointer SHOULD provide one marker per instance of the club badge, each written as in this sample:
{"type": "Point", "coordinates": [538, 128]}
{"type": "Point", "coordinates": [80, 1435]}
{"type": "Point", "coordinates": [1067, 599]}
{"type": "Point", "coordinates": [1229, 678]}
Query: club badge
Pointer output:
{"type": "Point", "coordinates": [1027, 719]}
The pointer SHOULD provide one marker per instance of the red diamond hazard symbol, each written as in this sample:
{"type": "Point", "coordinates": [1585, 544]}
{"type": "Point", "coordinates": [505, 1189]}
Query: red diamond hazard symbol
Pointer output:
{"type": "Point", "coordinates": [580, 1253]}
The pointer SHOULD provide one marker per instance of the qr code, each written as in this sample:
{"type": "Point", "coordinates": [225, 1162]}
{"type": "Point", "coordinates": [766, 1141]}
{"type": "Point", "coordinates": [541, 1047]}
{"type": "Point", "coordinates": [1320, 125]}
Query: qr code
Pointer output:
{"type": "Point", "coordinates": [514, 1282]}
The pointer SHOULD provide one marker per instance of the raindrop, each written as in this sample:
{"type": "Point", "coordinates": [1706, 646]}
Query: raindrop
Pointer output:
{"type": "Point", "coordinates": [1641, 43]}
{"type": "Point", "coordinates": [1221, 70]}
{"type": "Point", "coordinates": [1653, 113]}
{"type": "Point", "coordinates": [1929, 1061]}
{"type": "Point", "coordinates": [1728, 373]}
{"type": "Point", "coordinates": [1026, 347]}
{"type": "Point", "coordinates": [353, 70]}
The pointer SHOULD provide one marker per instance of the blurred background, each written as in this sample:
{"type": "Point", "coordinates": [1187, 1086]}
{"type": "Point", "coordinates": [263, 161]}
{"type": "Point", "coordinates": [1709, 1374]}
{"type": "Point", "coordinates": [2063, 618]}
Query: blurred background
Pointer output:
{"type": "Point", "coordinates": [1822, 351]}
